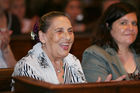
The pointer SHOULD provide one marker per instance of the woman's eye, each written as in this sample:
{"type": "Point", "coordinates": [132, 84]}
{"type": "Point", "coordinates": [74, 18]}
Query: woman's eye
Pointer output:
{"type": "Point", "coordinates": [59, 31]}
{"type": "Point", "coordinates": [134, 23]}
{"type": "Point", "coordinates": [70, 30]}
{"type": "Point", "coordinates": [123, 23]}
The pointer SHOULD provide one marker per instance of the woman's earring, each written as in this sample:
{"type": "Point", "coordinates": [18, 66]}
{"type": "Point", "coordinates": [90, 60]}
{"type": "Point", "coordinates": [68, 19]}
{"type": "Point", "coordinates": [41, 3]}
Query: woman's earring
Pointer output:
{"type": "Point", "coordinates": [43, 44]}
{"type": "Point", "coordinates": [108, 27]}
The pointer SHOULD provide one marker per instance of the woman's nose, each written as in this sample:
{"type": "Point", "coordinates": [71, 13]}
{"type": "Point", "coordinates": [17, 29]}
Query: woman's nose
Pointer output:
{"type": "Point", "coordinates": [67, 35]}
{"type": "Point", "coordinates": [131, 27]}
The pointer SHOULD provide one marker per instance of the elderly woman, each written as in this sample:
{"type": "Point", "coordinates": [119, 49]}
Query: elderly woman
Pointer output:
{"type": "Point", "coordinates": [50, 60]}
{"type": "Point", "coordinates": [113, 51]}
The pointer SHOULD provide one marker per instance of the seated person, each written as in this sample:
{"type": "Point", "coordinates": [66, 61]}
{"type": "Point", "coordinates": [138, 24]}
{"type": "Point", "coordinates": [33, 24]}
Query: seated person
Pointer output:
{"type": "Point", "coordinates": [18, 8]}
{"type": "Point", "coordinates": [107, 3]}
{"type": "Point", "coordinates": [7, 59]}
{"type": "Point", "coordinates": [50, 60]}
{"type": "Point", "coordinates": [113, 50]}
{"type": "Point", "coordinates": [74, 10]}
{"type": "Point", "coordinates": [7, 19]}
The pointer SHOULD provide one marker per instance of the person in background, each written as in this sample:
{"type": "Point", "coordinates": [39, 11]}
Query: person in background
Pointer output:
{"type": "Point", "coordinates": [98, 7]}
{"type": "Point", "coordinates": [8, 21]}
{"type": "Point", "coordinates": [113, 52]}
{"type": "Point", "coordinates": [18, 8]}
{"type": "Point", "coordinates": [73, 9]}
{"type": "Point", "coordinates": [7, 59]}
{"type": "Point", "coordinates": [49, 60]}
{"type": "Point", "coordinates": [5, 4]}
{"type": "Point", "coordinates": [107, 3]}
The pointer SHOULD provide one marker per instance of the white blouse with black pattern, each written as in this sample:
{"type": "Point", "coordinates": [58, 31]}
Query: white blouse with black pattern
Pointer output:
{"type": "Point", "coordinates": [37, 65]}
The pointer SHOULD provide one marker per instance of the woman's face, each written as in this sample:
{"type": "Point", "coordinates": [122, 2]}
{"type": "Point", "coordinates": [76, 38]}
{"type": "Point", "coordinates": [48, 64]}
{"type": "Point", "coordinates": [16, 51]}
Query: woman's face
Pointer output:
{"type": "Point", "coordinates": [125, 29]}
{"type": "Point", "coordinates": [59, 37]}
{"type": "Point", "coordinates": [18, 8]}
{"type": "Point", "coordinates": [4, 4]}
{"type": "Point", "coordinates": [73, 9]}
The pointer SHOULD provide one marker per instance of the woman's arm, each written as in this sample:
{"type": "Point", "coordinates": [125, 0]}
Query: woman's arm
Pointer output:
{"type": "Point", "coordinates": [9, 57]}
{"type": "Point", "coordinates": [5, 48]}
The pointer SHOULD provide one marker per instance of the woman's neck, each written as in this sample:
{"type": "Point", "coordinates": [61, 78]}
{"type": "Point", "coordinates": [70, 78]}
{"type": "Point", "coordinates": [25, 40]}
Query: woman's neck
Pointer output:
{"type": "Point", "coordinates": [51, 56]}
{"type": "Point", "coordinates": [57, 63]}
{"type": "Point", "coordinates": [123, 50]}
{"type": "Point", "coordinates": [127, 59]}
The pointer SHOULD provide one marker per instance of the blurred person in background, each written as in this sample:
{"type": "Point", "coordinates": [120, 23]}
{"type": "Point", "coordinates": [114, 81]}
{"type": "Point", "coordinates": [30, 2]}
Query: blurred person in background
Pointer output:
{"type": "Point", "coordinates": [107, 3]}
{"type": "Point", "coordinates": [97, 10]}
{"type": "Point", "coordinates": [18, 8]}
{"type": "Point", "coordinates": [7, 27]}
{"type": "Point", "coordinates": [6, 4]}
{"type": "Point", "coordinates": [8, 21]}
{"type": "Point", "coordinates": [74, 10]}
{"type": "Point", "coordinates": [7, 59]}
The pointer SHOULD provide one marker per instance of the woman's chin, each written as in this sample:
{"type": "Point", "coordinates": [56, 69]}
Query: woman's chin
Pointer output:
{"type": "Point", "coordinates": [64, 54]}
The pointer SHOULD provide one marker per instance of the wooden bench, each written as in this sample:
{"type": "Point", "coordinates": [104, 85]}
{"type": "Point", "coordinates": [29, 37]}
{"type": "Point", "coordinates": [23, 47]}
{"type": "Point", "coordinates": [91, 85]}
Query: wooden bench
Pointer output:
{"type": "Point", "coordinates": [20, 45]}
{"type": "Point", "coordinates": [29, 85]}
{"type": "Point", "coordinates": [5, 79]}
{"type": "Point", "coordinates": [81, 42]}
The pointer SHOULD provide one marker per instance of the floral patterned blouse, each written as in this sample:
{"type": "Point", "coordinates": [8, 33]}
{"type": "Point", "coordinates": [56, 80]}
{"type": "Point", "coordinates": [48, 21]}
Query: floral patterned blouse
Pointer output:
{"type": "Point", "coordinates": [135, 75]}
{"type": "Point", "coordinates": [37, 65]}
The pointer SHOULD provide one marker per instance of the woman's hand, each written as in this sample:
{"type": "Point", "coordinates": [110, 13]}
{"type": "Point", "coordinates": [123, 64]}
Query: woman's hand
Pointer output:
{"type": "Point", "coordinates": [4, 39]}
{"type": "Point", "coordinates": [5, 48]}
{"type": "Point", "coordinates": [109, 78]}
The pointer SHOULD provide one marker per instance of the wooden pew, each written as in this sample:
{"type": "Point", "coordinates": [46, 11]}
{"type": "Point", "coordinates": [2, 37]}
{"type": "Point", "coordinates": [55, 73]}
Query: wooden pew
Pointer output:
{"type": "Point", "coordinates": [20, 45]}
{"type": "Point", "coordinates": [29, 85]}
{"type": "Point", "coordinates": [5, 79]}
{"type": "Point", "coordinates": [81, 42]}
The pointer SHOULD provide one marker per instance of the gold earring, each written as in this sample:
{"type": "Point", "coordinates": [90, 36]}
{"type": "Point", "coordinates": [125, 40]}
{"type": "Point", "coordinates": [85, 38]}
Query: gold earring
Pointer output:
{"type": "Point", "coordinates": [43, 44]}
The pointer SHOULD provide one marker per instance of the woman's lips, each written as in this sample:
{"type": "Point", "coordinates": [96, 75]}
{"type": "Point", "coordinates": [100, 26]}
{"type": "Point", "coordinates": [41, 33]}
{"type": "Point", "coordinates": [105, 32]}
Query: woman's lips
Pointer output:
{"type": "Point", "coordinates": [65, 46]}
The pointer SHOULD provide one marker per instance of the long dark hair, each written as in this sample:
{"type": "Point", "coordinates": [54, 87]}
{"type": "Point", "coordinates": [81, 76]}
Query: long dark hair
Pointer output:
{"type": "Point", "coordinates": [103, 36]}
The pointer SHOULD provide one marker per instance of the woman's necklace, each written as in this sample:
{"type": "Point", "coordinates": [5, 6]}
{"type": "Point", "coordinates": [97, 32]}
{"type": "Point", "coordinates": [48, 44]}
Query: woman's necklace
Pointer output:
{"type": "Point", "coordinates": [59, 71]}
{"type": "Point", "coordinates": [58, 67]}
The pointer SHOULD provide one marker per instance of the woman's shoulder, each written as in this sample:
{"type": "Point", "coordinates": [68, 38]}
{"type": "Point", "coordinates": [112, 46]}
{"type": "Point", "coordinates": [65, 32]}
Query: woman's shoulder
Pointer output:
{"type": "Point", "coordinates": [95, 49]}
{"type": "Point", "coordinates": [99, 52]}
